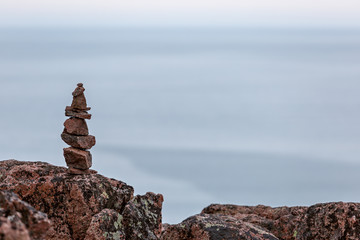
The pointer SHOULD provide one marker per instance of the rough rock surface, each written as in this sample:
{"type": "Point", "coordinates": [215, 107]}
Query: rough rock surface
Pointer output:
{"type": "Point", "coordinates": [92, 207]}
{"type": "Point", "coordinates": [74, 202]}
{"type": "Point", "coordinates": [19, 220]}
{"type": "Point", "coordinates": [79, 100]}
{"type": "Point", "coordinates": [106, 225]}
{"type": "Point", "coordinates": [73, 113]}
{"type": "Point", "coordinates": [213, 227]}
{"type": "Point", "coordinates": [141, 216]}
{"type": "Point", "coordinates": [75, 171]}
{"type": "Point", "coordinates": [77, 158]}
{"type": "Point", "coordinates": [84, 142]}
{"type": "Point", "coordinates": [325, 221]}
{"type": "Point", "coordinates": [76, 126]}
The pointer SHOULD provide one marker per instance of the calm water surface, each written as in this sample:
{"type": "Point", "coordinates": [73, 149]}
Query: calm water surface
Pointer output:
{"type": "Point", "coordinates": [244, 116]}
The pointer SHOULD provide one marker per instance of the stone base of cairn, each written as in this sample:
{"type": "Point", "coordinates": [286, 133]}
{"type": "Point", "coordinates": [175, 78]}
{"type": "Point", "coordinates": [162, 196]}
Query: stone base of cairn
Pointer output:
{"type": "Point", "coordinates": [76, 134]}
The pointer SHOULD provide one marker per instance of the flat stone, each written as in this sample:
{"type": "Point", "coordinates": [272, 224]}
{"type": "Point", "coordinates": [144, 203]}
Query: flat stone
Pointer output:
{"type": "Point", "coordinates": [76, 158]}
{"type": "Point", "coordinates": [70, 108]}
{"type": "Point", "coordinates": [84, 142]}
{"type": "Point", "coordinates": [76, 126]}
{"type": "Point", "coordinates": [72, 112]}
{"type": "Point", "coordinates": [83, 115]}
{"type": "Point", "coordinates": [75, 171]}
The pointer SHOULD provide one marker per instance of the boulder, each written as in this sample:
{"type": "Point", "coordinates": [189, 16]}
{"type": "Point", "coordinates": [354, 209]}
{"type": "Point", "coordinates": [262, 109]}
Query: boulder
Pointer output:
{"type": "Point", "coordinates": [215, 227]}
{"type": "Point", "coordinates": [333, 221]}
{"type": "Point", "coordinates": [326, 221]}
{"type": "Point", "coordinates": [79, 206]}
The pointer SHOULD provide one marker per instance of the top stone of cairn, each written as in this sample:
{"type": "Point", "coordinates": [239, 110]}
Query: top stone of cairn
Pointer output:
{"type": "Point", "coordinates": [78, 106]}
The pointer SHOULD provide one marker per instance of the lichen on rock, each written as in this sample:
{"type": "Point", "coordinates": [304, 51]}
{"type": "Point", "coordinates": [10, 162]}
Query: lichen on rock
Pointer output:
{"type": "Point", "coordinates": [141, 217]}
{"type": "Point", "coordinates": [106, 225]}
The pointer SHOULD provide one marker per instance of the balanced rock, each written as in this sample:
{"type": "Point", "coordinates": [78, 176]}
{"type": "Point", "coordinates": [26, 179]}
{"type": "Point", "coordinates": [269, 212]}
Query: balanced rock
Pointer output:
{"type": "Point", "coordinates": [76, 126]}
{"type": "Point", "coordinates": [76, 134]}
{"type": "Point", "coordinates": [77, 158]}
{"type": "Point", "coordinates": [79, 100]}
{"type": "Point", "coordinates": [69, 112]}
{"type": "Point", "coordinates": [83, 142]}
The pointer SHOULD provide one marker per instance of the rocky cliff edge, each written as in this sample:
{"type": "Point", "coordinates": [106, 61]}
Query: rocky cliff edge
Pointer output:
{"type": "Point", "coordinates": [41, 201]}
{"type": "Point", "coordinates": [57, 205]}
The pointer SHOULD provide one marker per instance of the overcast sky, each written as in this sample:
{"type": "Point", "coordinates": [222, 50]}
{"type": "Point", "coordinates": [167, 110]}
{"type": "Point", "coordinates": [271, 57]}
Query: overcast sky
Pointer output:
{"type": "Point", "coordinates": [180, 12]}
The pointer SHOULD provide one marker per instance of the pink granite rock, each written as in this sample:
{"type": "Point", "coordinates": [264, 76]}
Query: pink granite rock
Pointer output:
{"type": "Point", "coordinates": [79, 100]}
{"type": "Point", "coordinates": [76, 126]}
{"type": "Point", "coordinates": [70, 201]}
{"type": "Point", "coordinates": [19, 220]}
{"type": "Point", "coordinates": [325, 221]}
{"type": "Point", "coordinates": [82, 206]}
{"type": "Point", "coordinates": [210, 227]}
{"type": "Point", "coordinates": [69, 112]}
{"type": "Point", "coordinates": [75, 171]}
{"type": "Point", "coordinates": [76, 134]}
{"type": "Point", "coordinates": [83, 142]}
{"type": "Point", "coordinates": [139, 208]}
{"type": "Point", "coordinates": [77, 158]}
{"type": "Point", "coordinates": [106, 225]}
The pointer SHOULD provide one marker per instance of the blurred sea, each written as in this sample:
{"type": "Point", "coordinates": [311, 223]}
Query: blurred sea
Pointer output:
{"type": "Point", "coordinates": [243, 116]}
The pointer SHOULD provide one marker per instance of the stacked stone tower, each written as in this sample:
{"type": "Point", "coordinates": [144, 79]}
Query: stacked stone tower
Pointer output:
{"type": "Point", "coordinates": [76, 134]}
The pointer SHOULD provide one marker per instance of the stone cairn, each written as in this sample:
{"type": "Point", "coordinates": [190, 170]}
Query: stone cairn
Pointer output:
{"type": "Point", "coordinates": [76, 134]}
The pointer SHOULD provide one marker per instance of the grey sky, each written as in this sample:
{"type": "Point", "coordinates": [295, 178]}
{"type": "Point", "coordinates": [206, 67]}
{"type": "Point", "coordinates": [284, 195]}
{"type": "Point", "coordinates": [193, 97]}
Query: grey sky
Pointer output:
{"type": "Point", "coordinates": [184, 12]}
